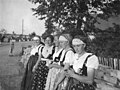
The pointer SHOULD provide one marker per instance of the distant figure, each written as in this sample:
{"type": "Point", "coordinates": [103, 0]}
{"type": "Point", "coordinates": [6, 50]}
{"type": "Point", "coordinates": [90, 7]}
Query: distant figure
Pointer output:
{"type": "Point", "coordinates": [12, 44]}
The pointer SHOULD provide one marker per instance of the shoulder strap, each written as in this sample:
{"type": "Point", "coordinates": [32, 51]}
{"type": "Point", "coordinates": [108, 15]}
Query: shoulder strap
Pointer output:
{"type": "Point", "coordinates": [42, 49]}
{"type": "Point", "coordinates": [61, 62]}
{"type": "Point", "coordinates": [87, 58]}
{"type": "Point", "coordinates": [60, 54]}
{"type": "Point", "coordinates": [50, 56]}
{"type": "Point", "coordinates": [39, 47]}
{"type": "Point", "coordinates": [66, 52]}
{"type": "Point", "coordinates": [53, 50]}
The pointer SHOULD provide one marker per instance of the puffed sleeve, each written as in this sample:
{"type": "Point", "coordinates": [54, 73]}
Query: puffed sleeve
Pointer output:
{"type": "Point", "coordinates": [92, 62]}
{"type": "Point", "coordinates": [32, 51]}
{"type": "Point", "coordinates": [69, 58]}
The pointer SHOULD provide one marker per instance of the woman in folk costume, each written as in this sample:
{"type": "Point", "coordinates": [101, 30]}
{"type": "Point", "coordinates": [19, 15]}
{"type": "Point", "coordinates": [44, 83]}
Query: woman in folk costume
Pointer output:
{"type": "Point", "coordinates": [37, 44]}
{"type": "Point", "coordinates": [67, 60]}
{"type": "Point", "coordinates": [27, 78]}
{"type": "Point", "coordinates": [41, 67]}
{"type": "Point", "coordinates": [81, 75]}
{"type": "Point", "coordinates": [55, 66]}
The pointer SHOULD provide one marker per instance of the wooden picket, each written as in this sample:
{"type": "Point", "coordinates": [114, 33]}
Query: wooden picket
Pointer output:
{"type": "Point", "coordinates": [113, 63]}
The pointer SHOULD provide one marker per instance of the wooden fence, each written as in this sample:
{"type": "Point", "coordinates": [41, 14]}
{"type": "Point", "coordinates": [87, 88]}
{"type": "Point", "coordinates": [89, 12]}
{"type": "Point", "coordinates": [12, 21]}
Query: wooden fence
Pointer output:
{"type": "Point", "coordinates": [113, 63]}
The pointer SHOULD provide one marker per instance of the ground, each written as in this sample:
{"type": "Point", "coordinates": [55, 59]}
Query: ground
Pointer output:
{"type": "Point", "coordinates": [11, 71]}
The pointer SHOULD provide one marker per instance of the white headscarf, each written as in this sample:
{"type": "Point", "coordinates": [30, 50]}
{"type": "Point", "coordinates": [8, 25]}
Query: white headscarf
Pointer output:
{"type": "Point", "coordinates": [62, 38]}
{"type": "Point", "coordinates": [35, 38]}
{"type": "Point", "coordinates": [77, 41]}
{"type": "Point", "coordinates": [65, 37]}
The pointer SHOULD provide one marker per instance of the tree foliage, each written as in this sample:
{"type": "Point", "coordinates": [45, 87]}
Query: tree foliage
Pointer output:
{"type": "Point", "coordinates": [107, 42]}
{"type": "Point", "coordinates": [32, 34]}
{"type": "Point", "coordinates": [3, 31]}
{"type": "Point", "coordinates": [2, 34]}
{"type": "Point", "coordinates": [49, 28]}
{"type": "Point", "coordinates": [71, 15]}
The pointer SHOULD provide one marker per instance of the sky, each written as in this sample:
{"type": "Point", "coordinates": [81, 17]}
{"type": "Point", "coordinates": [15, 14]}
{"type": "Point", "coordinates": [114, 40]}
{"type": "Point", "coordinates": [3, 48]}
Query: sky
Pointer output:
{"type": "Point", "coordinates": [12, 12]}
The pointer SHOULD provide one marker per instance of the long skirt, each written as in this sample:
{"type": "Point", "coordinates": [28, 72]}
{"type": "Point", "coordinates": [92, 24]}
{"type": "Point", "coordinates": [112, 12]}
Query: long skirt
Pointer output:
{"type": "Point", "coordinates": [74, 84]}
{"type": "Point", "coordinates": [50, 83]}
{"type": "Point", "coordinates": [63, 84]}
{"type": "Point", "coordinates": [40, 76]}
{"type": "Point", "coordinates": [28, 75]}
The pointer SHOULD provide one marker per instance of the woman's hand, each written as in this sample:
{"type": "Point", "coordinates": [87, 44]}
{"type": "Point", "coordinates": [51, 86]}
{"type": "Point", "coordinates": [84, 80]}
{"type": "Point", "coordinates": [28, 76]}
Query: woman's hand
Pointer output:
{"type": "Point", "coordinates": [48, 62]}
{"type": "Point", "coordinates": [50, 66]}
{"type": "Point", "coordinates": [34, 68]}
{"type": "Point", "coordinates": [69, 73]}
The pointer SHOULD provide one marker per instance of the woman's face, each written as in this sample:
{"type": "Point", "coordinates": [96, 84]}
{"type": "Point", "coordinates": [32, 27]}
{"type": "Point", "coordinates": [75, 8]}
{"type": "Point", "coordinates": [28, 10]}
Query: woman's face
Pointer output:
{"type": "Point", "coordinates": [63, 44]}
{"type": "Point", "coordinates": [36, 42]}
{"type": "Point", "coordinates": [48, 41]}
{"type": "Point", "coordinates": [56, 41]}
{"type": "Point", "coordinates": [79, 48]}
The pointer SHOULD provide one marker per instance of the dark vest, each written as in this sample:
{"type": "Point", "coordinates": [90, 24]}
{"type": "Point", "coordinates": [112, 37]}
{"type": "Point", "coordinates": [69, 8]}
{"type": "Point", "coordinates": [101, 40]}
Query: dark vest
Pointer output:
{"type": "Point", "coordinates": [57, 59]}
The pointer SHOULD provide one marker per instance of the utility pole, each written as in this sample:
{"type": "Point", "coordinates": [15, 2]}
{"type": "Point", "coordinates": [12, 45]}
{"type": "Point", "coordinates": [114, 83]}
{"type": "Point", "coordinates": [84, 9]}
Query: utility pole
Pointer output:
{"type": "Point", "coordinates": [22, 26]}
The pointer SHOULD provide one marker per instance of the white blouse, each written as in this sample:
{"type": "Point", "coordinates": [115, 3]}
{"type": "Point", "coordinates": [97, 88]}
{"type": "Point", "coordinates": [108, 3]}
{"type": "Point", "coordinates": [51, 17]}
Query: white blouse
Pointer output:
{"type": "Point", "coordinates": [46, 51]}
{"type": "Point", "coordinates": [68, 58]}
{"type": "Point", "coordinates": [92, 61]}
{"type": "Point", "coordinates": [35, 49]}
